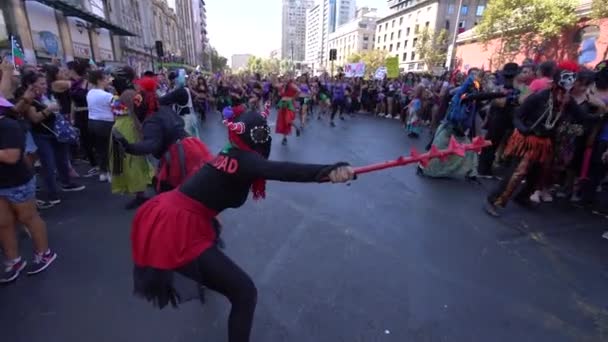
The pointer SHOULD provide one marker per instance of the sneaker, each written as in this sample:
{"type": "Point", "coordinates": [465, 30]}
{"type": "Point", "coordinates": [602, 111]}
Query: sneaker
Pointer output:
{"type": "Point", "coordinates": [535, 197]}
{"type": "Point", "coordinates": [104, 177]}
{"type": "Point", "coordinates": [92, 172]}
{"type": "Point", "coordinates": [41, 262]}
{"type": "Point", "coordinates": [54, 200]}
{"type": "Point", "coordinates": [546, 196]}
{"type": "Point", "coordinates": [72, 187]}
{"type": "Point", "coordinates": [11, 272]}
{"type": "Point", "coordinates": [44, 204]}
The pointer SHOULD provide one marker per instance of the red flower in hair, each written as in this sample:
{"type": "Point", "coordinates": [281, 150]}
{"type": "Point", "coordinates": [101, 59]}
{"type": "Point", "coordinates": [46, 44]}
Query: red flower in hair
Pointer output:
{"type": "Point", "coordinates": [569, 65]}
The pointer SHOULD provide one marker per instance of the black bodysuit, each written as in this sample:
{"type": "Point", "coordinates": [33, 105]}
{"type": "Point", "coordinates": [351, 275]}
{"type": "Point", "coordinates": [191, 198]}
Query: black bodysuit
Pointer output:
{"type": "Point", "coordinates": [225, 181]}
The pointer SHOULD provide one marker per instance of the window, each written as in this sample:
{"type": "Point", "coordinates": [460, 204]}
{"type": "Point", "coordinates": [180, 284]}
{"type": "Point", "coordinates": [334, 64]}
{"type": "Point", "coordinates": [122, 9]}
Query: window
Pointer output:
{"type": "Point", "coordinates": [428, 9]}
{"type": "Point", "coordinates": [464, 10]}
{"type": "Point", "coordinates": [413, 55]}
{"type": "Point", "coordinates": [390, 48]}
{"type": "Point", "coordinates": [365, 38]}
{"type": "Point", "coordinates": [405, 44]}
{"type": "Point", "coordinates": [384, 48]}
{"type": "Point", "coordinates": [379, 28]}
{"type": "Point", "coordinates": [398, 46]}
{"type": "Point", "coordinates": [404, 56]}
{"type": "Point", "coordinates": [393, 24]}
{"type": "Point", "coordinates": [385, 38]}
{"type": "Point", "coordinates": [447, 25]}
{"type": "Point", "coordinates": [407, 31]}
{"type": "Point", "coordinates": [416, 29]}
{"type": "Point", "coordinates": [414, 42]}
{"type": "Point", "coordinates": [364, 46]}
{"type": "Point", "coordinates": [386, 26]}
{"type": "Point", "coordinates": [451, 9]}
{"type": "Point", "coordinates": [378, 39]}
{"type": "Point", "coordinates": [462, 25]}
{"type": "Point", "coordinates": [480, 10]}
{"type": "Point", "coordinates": [427, 24]}
{"type": "Point", "coordinates": [399, 34]}
{"type": "Point", "coordinates": [411, 66]}
{"type": "Point", "coordinates": [392, 35]}
{"type": "Point", "coordinates": [400, 20]}
{"type": "Point", "coordinates": [420, 66]}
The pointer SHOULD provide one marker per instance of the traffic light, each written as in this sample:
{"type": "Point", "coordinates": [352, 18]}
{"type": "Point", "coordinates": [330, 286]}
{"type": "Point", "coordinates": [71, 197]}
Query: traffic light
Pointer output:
{"type": "Point", "coordinates": [333, 54]}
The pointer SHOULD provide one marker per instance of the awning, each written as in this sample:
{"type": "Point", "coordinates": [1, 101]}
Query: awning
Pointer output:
{"type": "Point", "coordinates": [70, 10]}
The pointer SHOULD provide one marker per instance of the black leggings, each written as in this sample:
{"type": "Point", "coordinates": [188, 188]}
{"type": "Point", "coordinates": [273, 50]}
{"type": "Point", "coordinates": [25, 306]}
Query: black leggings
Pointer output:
{"type": "Point", "coordinates": [216, 271]}
{"type": "Point", "coordinates": [100, 132]}
{"type": "Point", "coordinates": [337, 104]}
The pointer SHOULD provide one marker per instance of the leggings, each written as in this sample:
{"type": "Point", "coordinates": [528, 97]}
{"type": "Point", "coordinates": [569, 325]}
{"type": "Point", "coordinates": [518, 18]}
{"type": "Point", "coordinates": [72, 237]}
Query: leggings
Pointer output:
{"type": "Point", "coordinates": [100, 132]}
{"type": "Point", "coordinates": [216, 271]}
{"type": "Point", "coordinates": [337, 104]}
{"type": "Point", "coordinates": [81, 121]}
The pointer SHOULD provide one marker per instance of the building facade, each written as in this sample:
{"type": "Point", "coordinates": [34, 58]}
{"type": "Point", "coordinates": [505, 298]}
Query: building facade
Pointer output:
{"type": "Point", "coordinates": [63, 30]}
{"type": "Point", "coordinates": [293, 30]}
{"type": "Point", "coordinates": [321, 21]}
{"type": "Point", "coordinates": [186, 33]}
{"type": "Point", "coordinates": [239, 61]}
{"type": "Point", "coordinates": [203, 48]}
{"type": "Point", "coordinates": [136, 51]}
{"type": "Point", "coordinates": [572, 42]}
{"type": "Point", "coordinates": [397, 32]}
{"type": "Point", "coordinates": [165, 28]}
{"type": "Point", "coordinates": [354, 36]}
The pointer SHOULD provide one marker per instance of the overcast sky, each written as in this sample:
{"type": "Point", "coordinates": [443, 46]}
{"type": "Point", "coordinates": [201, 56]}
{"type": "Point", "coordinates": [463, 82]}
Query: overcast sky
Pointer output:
{"type": "Point", "coordinates": [247, 26]}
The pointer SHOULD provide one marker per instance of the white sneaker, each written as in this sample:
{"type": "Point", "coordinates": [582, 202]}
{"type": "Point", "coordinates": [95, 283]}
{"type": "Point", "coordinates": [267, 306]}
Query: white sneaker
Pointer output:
{"type": "Point", "coordinates": [104, 177]}
{"type": "Point", "coordinates": [546, 196]}
{"type": "Point", "coordinates": [535, 197]}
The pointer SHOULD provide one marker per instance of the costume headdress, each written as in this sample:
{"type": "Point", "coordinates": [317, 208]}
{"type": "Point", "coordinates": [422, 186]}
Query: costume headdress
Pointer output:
{"type": "Point", "coordinates": [249, 131]}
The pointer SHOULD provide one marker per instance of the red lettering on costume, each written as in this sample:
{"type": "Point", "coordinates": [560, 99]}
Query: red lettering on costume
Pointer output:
{"type": "Point", "coordinates": [217, 161]}
{"type": "Point", "coordinates": [223, 164]}
{"type": "Point", "coordinates": [233, 165]}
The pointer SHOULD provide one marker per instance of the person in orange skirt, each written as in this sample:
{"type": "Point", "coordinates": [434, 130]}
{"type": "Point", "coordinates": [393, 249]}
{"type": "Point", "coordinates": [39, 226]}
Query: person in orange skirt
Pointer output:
{"type": "Point", "coordinates": [287, 112]}
{"type": "Point", "coordinates": [530, 147]}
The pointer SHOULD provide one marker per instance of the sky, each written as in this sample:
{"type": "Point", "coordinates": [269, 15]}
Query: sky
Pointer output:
{"type": "Point", "coordinates": [253, 27]}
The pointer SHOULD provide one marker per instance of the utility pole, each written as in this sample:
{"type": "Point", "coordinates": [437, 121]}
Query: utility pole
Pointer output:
{"type": "Point", "coordinates": [452, 49]}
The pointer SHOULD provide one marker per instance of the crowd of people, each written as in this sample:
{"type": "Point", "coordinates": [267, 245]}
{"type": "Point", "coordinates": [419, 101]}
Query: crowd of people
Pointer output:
{"type": "Point", "coordinates": [546, 123]}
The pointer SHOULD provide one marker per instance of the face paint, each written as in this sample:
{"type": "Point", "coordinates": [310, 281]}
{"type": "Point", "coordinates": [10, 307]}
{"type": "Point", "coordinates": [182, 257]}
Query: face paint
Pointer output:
{"type": "Point", "coordinates": [566, 79]}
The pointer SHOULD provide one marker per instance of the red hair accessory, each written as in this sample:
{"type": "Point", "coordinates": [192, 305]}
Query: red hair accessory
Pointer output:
{"type": "Point", "coordinates": [569, 65]}
{"type": "Point", "coordinates": [236, 127]}
{"type": "Point", "coordinates": [147, 83]}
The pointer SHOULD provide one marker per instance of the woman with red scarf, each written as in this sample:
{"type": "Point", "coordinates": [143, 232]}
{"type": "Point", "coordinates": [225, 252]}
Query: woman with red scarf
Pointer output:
{"type": "Point", "coordinates": [177, 231]}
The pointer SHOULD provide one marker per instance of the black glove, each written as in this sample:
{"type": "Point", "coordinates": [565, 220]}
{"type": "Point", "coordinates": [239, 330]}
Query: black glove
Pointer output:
{"type": "Point", "coordinates": [120, 139]}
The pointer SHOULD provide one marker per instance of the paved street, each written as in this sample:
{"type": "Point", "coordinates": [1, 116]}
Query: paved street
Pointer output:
{"type": "Point", "coordinates": [392, 257]}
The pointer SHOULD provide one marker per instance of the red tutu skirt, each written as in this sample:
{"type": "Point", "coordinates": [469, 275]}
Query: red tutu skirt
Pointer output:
{"type": "Point", "coordinates": [183, 159]}
{"type": "Point", "coordinates": [531, 147]}
{"type": "Point", "coordinates": [170, 230]}
{"type": "Point", "coordinates": [285, 118]}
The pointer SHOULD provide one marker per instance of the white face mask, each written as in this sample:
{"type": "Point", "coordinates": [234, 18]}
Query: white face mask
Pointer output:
{"type": "Point", "coordinates": [567, 79]}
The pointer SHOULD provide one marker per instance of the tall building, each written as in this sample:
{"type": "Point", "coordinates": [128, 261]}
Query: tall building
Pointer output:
{"type": "Point", "coordinates": [354, 36]}
{"type": "Point", "coordinates": [165, 28]}
{"type": "Point", "coordinates": [188, 33]}
{"type": "Point", "coordinates": [204, 52]}
{"type": "Point", "coordinates": [322, 20]}
{"type": "Point", "coordinates": [397, 32]}
{"type": "Point", "coordinates": [294, 29]}
{"type": "Point", "coordinates": [239, 61]}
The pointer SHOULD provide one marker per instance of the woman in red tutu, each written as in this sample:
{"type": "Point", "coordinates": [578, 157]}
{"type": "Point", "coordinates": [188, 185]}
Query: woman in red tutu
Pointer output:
{"type": "Point", "coordinates": [287, 111]}
{"type": "Point", "coordinates": [177, 231]}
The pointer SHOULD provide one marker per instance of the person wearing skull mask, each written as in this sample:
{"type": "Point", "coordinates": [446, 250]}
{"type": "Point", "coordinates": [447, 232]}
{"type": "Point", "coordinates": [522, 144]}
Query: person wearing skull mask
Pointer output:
{"type": "Point", "coordinates": [177, 231]}
{"type": "Point", "coordinates": [530, 146]}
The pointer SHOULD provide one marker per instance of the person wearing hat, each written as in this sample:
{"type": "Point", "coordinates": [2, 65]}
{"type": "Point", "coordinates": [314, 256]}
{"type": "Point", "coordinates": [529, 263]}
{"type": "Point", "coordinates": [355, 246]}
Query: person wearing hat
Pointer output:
{"type": "Point", "coordinates": [500, 121]}
{"type": "Point", "coordinates": [530, 146]}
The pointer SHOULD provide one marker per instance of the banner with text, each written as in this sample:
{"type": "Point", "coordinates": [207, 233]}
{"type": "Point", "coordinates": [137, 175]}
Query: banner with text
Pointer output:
{"type": "Point", "coordinates": [392, 67]}
{"type": "Point", "coordinates": [354, 69]}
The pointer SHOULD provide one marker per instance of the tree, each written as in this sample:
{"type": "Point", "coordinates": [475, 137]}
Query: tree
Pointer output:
{"type": "Point", "coordinates": [254, 65]}
{"type": "Point", "coordinates": [599, 9]}
{"type": "Point", "coordinates": [285, 66]}
{"type": "Point", "coordinates": [218, 63]}
{"type": "Point", "coordinates": [432, 47]}
{"type": "Point", "coordinates": [524, 24]}
{"type": "Point", "coordinates": [271, 66]}
{"type": "Point", "coordinates": [373, 59]}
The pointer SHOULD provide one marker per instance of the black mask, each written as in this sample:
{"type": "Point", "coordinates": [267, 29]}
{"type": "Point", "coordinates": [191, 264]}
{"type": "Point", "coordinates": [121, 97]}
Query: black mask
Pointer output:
{"type": "Point", "coordinates": [257, 133]}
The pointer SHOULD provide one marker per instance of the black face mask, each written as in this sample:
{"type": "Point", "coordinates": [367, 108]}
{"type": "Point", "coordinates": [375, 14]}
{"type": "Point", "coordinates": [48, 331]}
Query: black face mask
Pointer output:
{"type": "Point", "coordinates": [257, 133]}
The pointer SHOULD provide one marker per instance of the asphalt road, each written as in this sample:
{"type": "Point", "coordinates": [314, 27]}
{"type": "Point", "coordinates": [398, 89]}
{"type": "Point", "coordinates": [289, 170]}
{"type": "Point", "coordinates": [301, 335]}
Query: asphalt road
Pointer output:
{"type": "Point", "coordinates": [392, 257]}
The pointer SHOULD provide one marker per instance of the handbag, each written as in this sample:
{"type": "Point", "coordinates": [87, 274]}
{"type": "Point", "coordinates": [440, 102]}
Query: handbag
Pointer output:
{"type": "Point", "coordinates": [64, 131]}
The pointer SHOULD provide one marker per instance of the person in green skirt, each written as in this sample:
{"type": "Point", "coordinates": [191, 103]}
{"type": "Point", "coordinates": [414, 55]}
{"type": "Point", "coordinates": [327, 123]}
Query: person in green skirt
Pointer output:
{"type": "Point", "coordinates": [130, 174]}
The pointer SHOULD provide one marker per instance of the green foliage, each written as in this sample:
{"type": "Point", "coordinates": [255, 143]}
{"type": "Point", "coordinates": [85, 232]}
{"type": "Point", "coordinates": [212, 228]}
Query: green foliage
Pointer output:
{"type": "Point", "coordinates": [254, 65]}
{"type": "Point", "coordinates": [523, 23]}
{"type": "Point", "coordinates": [218, 63]}
{"type": "Point", "coordinates": [373, 59]}
{"type": "Point", "coordinates": [432, 47]}
{"type": "Point", "coordinates": [599, 9]}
